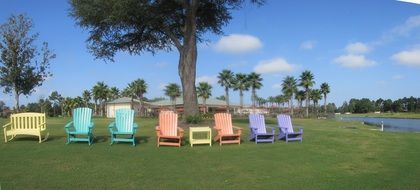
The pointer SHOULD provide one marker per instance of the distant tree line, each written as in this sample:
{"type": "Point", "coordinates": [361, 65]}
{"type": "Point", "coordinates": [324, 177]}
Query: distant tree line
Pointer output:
{"type": "Point", "coordinates": [365, 105]}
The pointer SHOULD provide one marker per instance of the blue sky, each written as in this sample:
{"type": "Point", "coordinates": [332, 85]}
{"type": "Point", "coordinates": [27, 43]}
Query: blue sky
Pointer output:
{"type": "Point", "coordinates": [361, 48]}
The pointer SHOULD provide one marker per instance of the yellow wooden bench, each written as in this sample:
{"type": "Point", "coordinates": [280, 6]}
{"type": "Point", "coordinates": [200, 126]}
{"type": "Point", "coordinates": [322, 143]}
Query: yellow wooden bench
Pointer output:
{"type": "Point", "coordinates": [26, 124]}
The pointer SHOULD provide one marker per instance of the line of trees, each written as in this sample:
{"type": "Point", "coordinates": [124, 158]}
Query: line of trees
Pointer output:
{"type": "Point", "coordinates": [365, 105]}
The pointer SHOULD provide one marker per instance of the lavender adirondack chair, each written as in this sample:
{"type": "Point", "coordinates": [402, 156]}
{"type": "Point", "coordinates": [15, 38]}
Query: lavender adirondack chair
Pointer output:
{"type": "Point", "coordinates": [258, 129]}
{"type": "Point", "coordinates": [286, 129]}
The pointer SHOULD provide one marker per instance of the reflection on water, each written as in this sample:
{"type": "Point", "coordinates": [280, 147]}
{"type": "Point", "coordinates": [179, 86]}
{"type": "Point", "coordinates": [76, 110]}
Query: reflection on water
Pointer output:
{"type": "Point", "coordinates": [390, 124]}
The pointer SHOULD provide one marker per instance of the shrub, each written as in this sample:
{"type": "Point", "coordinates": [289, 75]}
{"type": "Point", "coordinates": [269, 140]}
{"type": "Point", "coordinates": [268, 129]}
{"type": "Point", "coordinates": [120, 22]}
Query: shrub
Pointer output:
{"type": "Point", "coordinates": [194, 119]}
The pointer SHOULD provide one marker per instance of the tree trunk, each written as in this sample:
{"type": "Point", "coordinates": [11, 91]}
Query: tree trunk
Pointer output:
{"type": "Point", "coordinates": [307, 103]}
{"type": "Point", "coordinates": [96, 108]}
{"type": "Point", "coordinates": [241, 100]}
{"type": "Point", "coordinates": [17, 101]}
{"type": "Point", "coordinates": [325, 104]}
{"type": "Point", "coordinates": [227, 99]}
{"type": "Point", "coordinates": [253, 98]}
{"type": "Point", "coordinates": [188, 59]}
{"type": "Point", "coordinates": [141, 105]}
{"type": "Point", "coordinates": [205, 105]}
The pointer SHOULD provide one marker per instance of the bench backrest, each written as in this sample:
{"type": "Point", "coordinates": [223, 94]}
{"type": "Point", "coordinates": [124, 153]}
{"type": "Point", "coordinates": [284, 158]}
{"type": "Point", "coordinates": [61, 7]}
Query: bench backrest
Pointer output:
{"type": "Point", "coordinates": [124, 119]}
{"type": "Point", "coordinates": [28, 121]}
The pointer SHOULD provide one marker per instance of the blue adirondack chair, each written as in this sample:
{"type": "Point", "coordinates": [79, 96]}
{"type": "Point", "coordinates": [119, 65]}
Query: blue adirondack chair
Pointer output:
{"type": "Point", "coordinates": [286, 129]}
{"type": "Point", "coordinates": [123, 125]}
{"type": "Point", "coordinates": [80, 129]}
{"type": "Point", "coordinates": [259, 129]}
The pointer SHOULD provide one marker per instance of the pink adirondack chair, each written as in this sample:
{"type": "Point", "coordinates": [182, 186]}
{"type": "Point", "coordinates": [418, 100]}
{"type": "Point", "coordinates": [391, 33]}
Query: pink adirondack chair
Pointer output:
{"type": "Point", "coordinates": [168, 133]}
{"type": "Point", "coordinates": [224, 127]}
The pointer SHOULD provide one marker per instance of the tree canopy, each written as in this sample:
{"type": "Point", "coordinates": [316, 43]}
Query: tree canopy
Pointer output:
{"type": "Point", "coordinates": [137, 26]}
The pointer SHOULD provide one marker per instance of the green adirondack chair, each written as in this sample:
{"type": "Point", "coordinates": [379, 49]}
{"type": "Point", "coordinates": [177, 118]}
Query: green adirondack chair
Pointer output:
{"type": "Point", "coordinates": [80, 129]}
{"type": "Point", "coordinates": [123, 126]}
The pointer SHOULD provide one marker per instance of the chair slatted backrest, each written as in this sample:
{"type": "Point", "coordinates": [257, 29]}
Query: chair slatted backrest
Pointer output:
{"type": "Point", "coordinates": [82, 118]}
{"type": "Point", "coordinates": [27, 121]}
{"type": "Point", "coordinates": [257, 121]}
{"type": "Point", "coordinates": [168, 123]}
{"type": "Point", "coordinates": [223, 121]}
{"type": "Point", "coordinates": [124, 119]}
{"type": "Point", "coordinates": [285, 121]}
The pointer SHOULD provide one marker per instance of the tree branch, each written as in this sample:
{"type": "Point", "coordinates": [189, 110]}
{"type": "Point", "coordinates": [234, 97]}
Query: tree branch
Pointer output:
{"type": "Point", "coordinates": [173, 38]}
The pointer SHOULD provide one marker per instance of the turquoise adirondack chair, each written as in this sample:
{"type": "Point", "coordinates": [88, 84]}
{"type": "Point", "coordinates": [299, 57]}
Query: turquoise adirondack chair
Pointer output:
{"type": "Point", "coordinates": [80, 129]}
{"type": "Point", "coordinates": [123, 125]}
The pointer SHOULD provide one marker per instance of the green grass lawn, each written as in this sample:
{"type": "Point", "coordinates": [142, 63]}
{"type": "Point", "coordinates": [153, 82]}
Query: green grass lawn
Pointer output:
{"type": "Point", "coordinates": [390, 115]}
{"type": "Point", "coordinates": [333, 155]}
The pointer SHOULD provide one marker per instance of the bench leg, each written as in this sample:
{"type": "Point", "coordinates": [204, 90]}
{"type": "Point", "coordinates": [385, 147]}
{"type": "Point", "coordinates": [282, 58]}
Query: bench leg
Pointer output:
{"type": "Point", "coordinates": [5, 136]}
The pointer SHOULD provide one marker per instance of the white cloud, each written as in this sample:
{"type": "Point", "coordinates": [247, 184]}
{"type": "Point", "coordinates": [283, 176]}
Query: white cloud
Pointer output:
{"type": "Point", "coordinates": [209, 79]}
{"type": "Point", "coordinates": [308, 45]}
{"type": "Point", "coordinates": [357, 48]}
{"type": "Point", "coordinates": [410, 1]}
{"type": "Point", "coordinates": [405, 29]}
{"type": "Point", "coordinates": [238, 43]}
{"type": "Point", "coordinates": [278, 65]}
{"type": "Point", "coordinates": [408, 57]}
{"type": "Point", "coordinates": [398, 77]}
{"type": "Point", "coordinates": [354, 61]}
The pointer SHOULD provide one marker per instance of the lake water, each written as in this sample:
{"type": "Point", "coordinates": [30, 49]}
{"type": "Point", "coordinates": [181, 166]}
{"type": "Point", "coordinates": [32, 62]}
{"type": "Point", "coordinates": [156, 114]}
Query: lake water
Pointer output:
{"type": "Point", "coordinates": [390, 124]}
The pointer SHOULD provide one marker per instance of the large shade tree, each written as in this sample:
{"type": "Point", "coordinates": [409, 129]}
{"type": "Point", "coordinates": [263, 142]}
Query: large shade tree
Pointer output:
{"type": "Point", "coordinates": [226, 80]}
{"type": "Point", "coordinates": [137, 26]}
{"type": "Point", "coordinates": [22, 66]}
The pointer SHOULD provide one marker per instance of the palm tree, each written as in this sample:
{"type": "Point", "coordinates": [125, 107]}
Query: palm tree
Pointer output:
{"type": "Point", "coordinates": [316, 96]}
{"type": "Point", "coordinates": [100, 93]}
{"type": "Point", "coordinates": [289, 88]}
{"type": "Point", "coordinates": [271, 100]}
{"type": "Point", "coordinates": [173, 90]}
{"type": "Point", "coordinates": [86, 97]}
{"type": "Point", "coordinates": [307, 81]}
{"type": "Point", "coordinates": [221, 98]}
{"type": "Point", "coordinates": [242, 84]}
{"type": "Point", "coordinates": [254, 80]}
{"type": "Point", "coordinates": [300, 96]}
{"type": "Point", "coordinates": [325, 89]}
{"type": "Point", "coordinates": [204, 91]}
{"type": "Point", "coordinates": [226, 80]}
{"type": "Point", "coordinates": [138, 88]}
{"type": "Point", "coordinates": [114, 93]}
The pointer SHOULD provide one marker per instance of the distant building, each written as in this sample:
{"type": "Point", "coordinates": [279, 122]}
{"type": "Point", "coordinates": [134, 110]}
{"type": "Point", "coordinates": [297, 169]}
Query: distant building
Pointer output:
{"type": "Point", "coordinates": [153, 108]}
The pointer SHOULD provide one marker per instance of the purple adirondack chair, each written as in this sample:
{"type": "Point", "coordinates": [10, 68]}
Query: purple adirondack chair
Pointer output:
{"type": "Point", "coordinates": [258, 129]}
{"type": "Point", "coordinates": [286, 129]}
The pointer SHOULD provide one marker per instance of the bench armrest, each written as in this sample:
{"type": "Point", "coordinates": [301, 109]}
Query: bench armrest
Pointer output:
{"type": "Point", "coordinates": [4, 126]}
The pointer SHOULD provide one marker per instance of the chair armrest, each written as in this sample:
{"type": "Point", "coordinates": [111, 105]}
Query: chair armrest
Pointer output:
{"type": "Point", "coordinates": [91, 125]}
{"type": "Point", "coordinates": [301, 130]}
{"type": "Point", "coordinates": [135, 126]}
{"type": "Point", "coordinates": [111, 125]}
{"type": "Point", "coordinates": [4, 126]}
{"type": "Point", "coordinates": [69, 124]}
{"type": "Point", "coordinates": [180, 131]}
{"type": "Point", "coordinates": [285, 130]}
{"type": "Point", "coordinates": [273, 130]}
{"type": "Point", "coordinates": [238, 129]}
{"type": "Point", "coordinates": [157, 128]}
